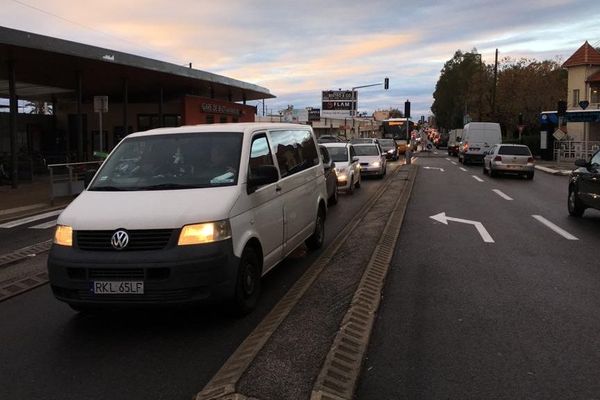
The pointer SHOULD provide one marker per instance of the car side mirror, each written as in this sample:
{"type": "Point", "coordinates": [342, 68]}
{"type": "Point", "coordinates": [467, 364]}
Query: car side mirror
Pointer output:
{"type": "Point", "coordinates": [260, 176]}
{"type": "Point", "coordinates": [355, 159]}
{"type": "Point", "coordinates": [581, 163]}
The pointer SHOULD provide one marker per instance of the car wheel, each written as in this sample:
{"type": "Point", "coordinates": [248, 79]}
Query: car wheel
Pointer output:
{"type": "Point", "coordinates": [465, 161]}
{"type": "Point", "coordinates": [247, 286]}
{"type": "Point", "coordinates": [350, 189]}
{"type": "Point", "coordinates": [357, 184]}
{"type": "Point", "coordinates": [576, 209]}
{"type": "Point", "coordinates": [484, 169]}
{"type": "Point", "coordinates": [493, 173]}
{"type": "Point", "coordinates": [315, 241]}
{"type": "Point", "coordinates": [334, 197]}
{"type": "Point", "coordinates": [529, 175]}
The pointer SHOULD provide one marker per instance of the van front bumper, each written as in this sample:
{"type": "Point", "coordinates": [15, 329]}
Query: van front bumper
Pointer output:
{"type": "Point", "coordinates": [177, 275]}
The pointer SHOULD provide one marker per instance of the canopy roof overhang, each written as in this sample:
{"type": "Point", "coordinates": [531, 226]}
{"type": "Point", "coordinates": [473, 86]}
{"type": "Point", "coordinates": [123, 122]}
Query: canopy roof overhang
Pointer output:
{"type": "Point", "coordinates": [551, 117]}
{"type": "Point", "coordinates": [47, 68]}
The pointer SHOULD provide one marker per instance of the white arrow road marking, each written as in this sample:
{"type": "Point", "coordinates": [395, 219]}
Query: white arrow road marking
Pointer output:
{"type": "Point", "coordinates": [478, 179]}
{"type": "Point", "coordinates": [45, 225]}
{"type": "Point", "coordinates": [452, 162]}
{"type": "Point", "coordinates": [441, 217]}
{"type": "Point", "coordinates": [435, 152]}
{"type": "Point", "coordinates": [414, 159]}
{"type": "Point", "coordinates": [501, 194]}
{"type": "Point", "coordinates": [441, 169]}
{"type": "Point", "coordinates": [27, 220]}
{"type": "Point", "coordinates": [462, 169]}
{"type": "Point", "coordinates": [448, 159]}
{"type": "Point", "coordinates": [555, 228]}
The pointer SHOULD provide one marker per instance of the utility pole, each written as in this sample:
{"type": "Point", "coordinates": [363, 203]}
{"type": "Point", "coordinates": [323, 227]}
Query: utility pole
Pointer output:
{"type": "Point", "coordinates": [494, 87]}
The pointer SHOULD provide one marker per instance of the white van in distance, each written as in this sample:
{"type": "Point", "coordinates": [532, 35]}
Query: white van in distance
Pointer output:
{"type": "Point", "coordinates": [190, 215]}
{"type": "Point", "coordinates": [477, 138]}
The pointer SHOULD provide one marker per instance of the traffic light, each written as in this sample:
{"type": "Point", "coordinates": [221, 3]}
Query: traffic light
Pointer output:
{"type": "Point", "coordinates": [407, 109]}
{"type": "Point", "coordinates": [520, 119]}
{"type": "Point", "coordinates": [386, 83]}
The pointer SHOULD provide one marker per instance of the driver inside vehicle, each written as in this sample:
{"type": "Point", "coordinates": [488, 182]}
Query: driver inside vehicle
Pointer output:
{"type": "Point", "coordinates": [222, 168]}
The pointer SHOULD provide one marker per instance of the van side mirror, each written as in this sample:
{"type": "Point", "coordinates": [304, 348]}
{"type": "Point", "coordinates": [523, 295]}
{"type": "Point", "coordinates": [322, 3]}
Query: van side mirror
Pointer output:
{"type": "Point", "coordinates": [260, 176]}
{"type": "Point", "coordinates": [581, 163]}
{"type": "Point", "coordinates": [355, 159]}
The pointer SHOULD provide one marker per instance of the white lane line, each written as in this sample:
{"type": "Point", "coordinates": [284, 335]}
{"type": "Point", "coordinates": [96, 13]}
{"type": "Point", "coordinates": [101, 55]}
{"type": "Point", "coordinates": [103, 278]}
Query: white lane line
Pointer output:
{"type": "Point", "coordinates": [435, 152]}
{"type": "Point", "coordinates": [27, 220]}
{"type": "Point", "coordinates": [45, 225]}
{"type": "Point", "coordinates": [555, 228]}
{"type": "Point", "coordinates": [447, 159]}
{"type": "Point", "coordinates": [412, 160]}
{"type": "Point", "coordinates": [452, 162]}
{"type": "Point", "coordinates": [462, 169]}
{"type": "Point", "coordinates": [502, 194]}
{"type": "Point", "coordinates": [478, 179]}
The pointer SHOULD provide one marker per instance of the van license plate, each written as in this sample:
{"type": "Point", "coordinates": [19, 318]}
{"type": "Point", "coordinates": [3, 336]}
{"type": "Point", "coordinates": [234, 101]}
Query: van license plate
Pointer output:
{"type": "Point", "coordinates": [118, 287]}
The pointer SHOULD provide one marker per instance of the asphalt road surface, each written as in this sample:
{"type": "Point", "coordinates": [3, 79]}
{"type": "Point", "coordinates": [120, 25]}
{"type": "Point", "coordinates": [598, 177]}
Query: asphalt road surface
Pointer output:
{"type": "Point", "coordinates": [465, 318]}
{"type": "Point", "coordinates": [48, 351]}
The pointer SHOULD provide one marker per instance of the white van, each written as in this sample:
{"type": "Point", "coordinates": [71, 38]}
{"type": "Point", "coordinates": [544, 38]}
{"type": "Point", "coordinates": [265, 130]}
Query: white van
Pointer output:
{"type": "Point", "coordinates": [477, 138]}
{"type": "Point", "coordinates": [190, 214]}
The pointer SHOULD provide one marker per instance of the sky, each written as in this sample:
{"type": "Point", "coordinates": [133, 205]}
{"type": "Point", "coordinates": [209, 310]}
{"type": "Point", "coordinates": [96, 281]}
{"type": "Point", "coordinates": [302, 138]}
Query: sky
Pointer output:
{"type": "Point", "coordinates": [296, 49]}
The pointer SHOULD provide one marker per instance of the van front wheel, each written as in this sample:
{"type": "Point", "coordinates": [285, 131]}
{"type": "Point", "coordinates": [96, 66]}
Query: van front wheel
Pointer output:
{"type": "Point", "coordinates": [315, 241]}
{"type": "Point", "coordinates": [247, 287]}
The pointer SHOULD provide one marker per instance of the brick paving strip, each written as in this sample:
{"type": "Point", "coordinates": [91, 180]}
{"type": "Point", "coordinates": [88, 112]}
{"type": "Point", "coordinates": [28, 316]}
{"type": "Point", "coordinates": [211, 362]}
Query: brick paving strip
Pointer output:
{"type": "Point", "coordinates": [282, 357]}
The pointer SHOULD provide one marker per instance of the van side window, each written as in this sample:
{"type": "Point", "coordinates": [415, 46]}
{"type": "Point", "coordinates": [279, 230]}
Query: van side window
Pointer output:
{"type": "Point", "coordinates": [295, 151]}
{"type": "Point", "coordinates": [260, 153]}
{"type": "Point", "coordinates": [352, 153]}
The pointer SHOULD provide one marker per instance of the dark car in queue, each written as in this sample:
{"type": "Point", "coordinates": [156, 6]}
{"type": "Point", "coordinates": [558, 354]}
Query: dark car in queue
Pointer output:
{"type": "Point", "coordinates": [584, 186]}
{"type": "Point", "coordinates": [330, 175]}
{"type": "Point", "coordinates": [389, 148]}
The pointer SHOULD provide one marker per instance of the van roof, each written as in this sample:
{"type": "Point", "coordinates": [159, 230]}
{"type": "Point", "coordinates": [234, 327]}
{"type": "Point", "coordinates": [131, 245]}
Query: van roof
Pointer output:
{"type": "Point", "coordinates": [229, 127]}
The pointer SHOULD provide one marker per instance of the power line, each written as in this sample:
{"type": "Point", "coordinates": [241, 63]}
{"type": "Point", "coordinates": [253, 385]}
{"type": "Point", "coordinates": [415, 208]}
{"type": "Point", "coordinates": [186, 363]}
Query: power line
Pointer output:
{"type": "Point", "coordinates": [91, 29]}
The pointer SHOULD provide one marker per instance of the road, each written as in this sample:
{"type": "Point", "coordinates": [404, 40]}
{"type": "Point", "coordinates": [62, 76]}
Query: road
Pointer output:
{"type": "Point", "coordinates": [51, 352]}
{"type": "Point", "coordinates": [463, 318]}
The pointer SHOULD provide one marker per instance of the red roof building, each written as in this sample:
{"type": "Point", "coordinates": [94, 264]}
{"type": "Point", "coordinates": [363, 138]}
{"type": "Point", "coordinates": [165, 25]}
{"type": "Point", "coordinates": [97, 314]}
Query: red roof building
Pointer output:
{"type": "Point", "coordinates": [585, 55]}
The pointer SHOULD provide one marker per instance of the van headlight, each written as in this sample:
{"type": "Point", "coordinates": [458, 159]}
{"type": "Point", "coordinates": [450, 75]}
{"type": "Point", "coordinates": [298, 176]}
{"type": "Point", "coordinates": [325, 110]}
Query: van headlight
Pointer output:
{"type": "Point", "coordinates": [208, 232]}
{"type": "Point", "coordinates": [63, 235]}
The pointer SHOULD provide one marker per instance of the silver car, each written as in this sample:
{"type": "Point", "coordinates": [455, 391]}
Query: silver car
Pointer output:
{"type": "Point", "coordinates": [372, 159]}
{"type": "Point", "coordinates": [346, 165]}
{"type": "Point", "coordinates": [509, 158]}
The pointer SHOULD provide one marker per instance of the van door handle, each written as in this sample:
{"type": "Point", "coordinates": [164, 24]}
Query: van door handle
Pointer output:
{"type": "Point", "coordinates": [278, 188]}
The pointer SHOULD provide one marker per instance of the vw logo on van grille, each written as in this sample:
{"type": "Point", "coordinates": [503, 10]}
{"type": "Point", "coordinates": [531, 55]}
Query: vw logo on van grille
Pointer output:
{"type": "Point", "coordinates": [119, 240]}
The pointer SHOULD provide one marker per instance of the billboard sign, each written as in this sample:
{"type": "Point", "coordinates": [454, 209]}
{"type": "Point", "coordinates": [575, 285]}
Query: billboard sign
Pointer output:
{"type": "Point", "coordinates": [338, 103]}
{"type": "Point", "coordinates": [314, 114]}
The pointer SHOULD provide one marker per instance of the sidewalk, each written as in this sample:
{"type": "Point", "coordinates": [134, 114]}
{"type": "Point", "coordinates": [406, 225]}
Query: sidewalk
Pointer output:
{"type": "Point", "coordinates": [28, 197]}
{"type": "Point", "coordinates": [555, 167]}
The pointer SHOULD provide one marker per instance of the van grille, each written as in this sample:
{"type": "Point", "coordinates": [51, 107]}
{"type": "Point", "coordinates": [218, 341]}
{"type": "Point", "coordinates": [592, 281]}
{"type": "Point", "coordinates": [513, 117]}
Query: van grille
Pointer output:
{"type": "Point", "coordinates": [147, 239]}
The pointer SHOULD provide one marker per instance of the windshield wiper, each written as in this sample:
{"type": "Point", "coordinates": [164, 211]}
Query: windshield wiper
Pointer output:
{"type": "Point", "coordinates": [168, 186]}
{"type": "Point", "coordinates": [110, 189]}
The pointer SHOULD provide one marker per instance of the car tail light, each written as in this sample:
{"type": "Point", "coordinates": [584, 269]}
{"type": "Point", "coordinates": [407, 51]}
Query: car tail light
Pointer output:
{"type": "Point", "coordinates": [497, 158]}
{"type": "Point", "coordinates": [530, 160]}
{"type": "Point", "coordinates": [466, 147]}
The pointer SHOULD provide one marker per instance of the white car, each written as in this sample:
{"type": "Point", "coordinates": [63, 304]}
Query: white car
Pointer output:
{"type": "Point", "coordinates": [166, 220]}
{"type": "Point", "coordinates": [346, 164]}
{"type": "Point", "coordinates": [372, 159]}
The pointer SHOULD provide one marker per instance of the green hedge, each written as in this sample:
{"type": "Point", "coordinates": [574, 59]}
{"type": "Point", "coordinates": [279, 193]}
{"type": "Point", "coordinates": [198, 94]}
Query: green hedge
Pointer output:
{"type": "Point", "coordinates": [531, 141]}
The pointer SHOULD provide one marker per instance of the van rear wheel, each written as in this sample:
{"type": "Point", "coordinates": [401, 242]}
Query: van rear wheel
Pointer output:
{"type": "Point", "coordinates": [315, 241]}
{"type": "Point", "coordinates": [247, 286]}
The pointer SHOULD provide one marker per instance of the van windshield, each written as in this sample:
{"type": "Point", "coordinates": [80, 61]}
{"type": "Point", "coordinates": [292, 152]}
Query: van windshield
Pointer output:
{"type": "Point", "coordinates": [172, 161]}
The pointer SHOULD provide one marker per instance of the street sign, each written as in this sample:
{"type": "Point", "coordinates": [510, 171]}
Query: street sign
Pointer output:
{"type": "Point", "coordinates": [584, 104]}
{"type": "Point", "coordinates": [101, 104]}
{"type": "Point", "coordinates": [559, 134]}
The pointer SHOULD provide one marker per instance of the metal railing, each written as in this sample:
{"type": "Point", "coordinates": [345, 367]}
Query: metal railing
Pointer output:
{"type": "Point", "coordinates": [569, 150]}
{"type": "Point", "coordinates": [68, 179]}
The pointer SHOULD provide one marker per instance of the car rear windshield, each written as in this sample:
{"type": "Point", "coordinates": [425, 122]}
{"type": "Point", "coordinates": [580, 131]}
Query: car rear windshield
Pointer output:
{"type": "Point", "coordinates": [366, 150]}
{"type": "Point", "coordinates": [387, 143]}
{"type": "Point", "coordinates": [338, 154]}
{"type": "Point", "coordinates": [514, 151]}
{"type": "Point", "coordinates": [172, 161]}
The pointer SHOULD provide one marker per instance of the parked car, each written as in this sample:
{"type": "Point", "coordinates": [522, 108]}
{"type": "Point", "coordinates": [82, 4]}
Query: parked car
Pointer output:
{"type": "Point", "coordinates": [478, 137]}
{"type": "Point", "coordinates": [330, 175]}
{"type": "Point", "coordinates": [510, 159]}
{"type": "Point", "coordinates": [372, 160]}
{"type": "Point", "coordinates": [346, 165]}
{"type": "Point", "coordinates": [189, 215]}
{"type": "Point", "coordinates": [390, 149]}
{"type": "Point", "coordinates": [584, 186]}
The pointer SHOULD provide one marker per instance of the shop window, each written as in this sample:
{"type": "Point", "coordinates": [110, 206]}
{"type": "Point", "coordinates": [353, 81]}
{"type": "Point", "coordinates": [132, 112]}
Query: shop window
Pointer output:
{"type": "Point", "coordinates": [210, 119]}
{"type": "Point", "coordinates": [172, 120]}
{"type": "Point", "coordinates": [595, 95]}
{"type": "Point", "coordinates": [147, 121]}
{"type": "Point", "coordinates": [223, 119]}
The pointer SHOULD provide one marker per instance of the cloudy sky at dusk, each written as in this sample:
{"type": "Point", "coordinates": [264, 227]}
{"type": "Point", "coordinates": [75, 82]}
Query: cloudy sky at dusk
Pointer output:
{"type": "Point", "coordinates": [296, 49]}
